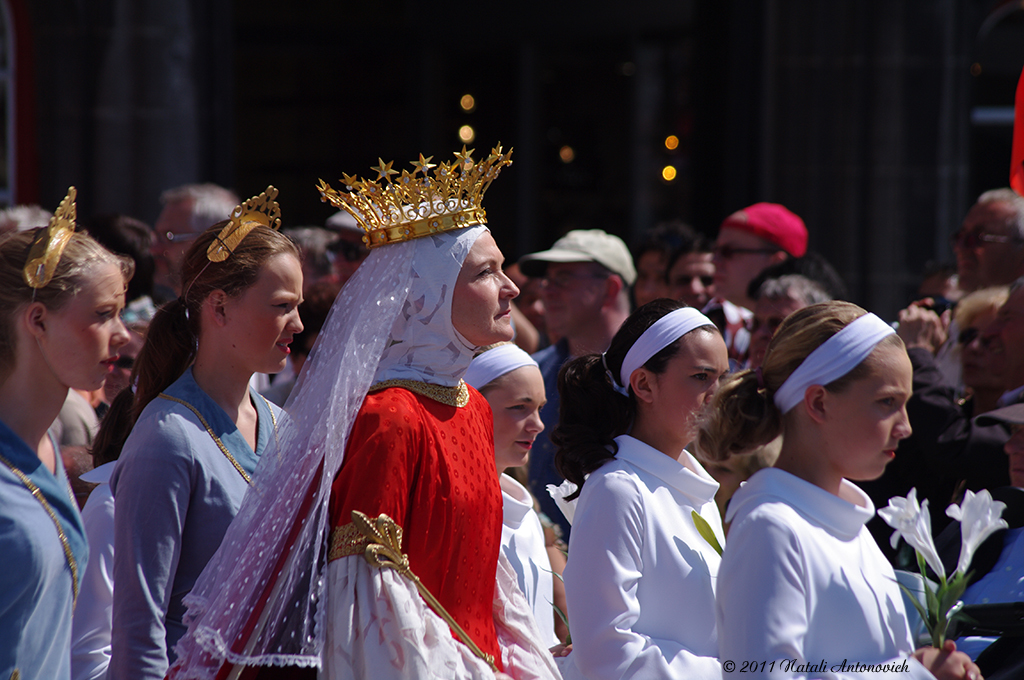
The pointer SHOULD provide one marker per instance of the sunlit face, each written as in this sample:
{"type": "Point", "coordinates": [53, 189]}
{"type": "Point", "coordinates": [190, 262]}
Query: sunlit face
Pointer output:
{"type": "Point", "coordinates": [689, 381]}
{"type": "Point", "coordinates": [516, 399]}
{"type": "Point", "coordinates": [769, 313]}
{"type": "Point", "coordinates": [988, 249]}
{"type": "Point", "coordinates": [692, 279]}
{"type": "Point", "coordinates": [983, 369]}
{"type": "Point", "coordinates": [739, 257]}
{"type": "Point", "coordinates": [1015, 450]}
{"type": "Point", "coordinates": [80, 341]}
{"type": "Point", "coordinates": [650, 277]}
{"type": "Point", "coordinates": [121, 372]}
{"type": "Point", "coordinates": [868, 419]}
{"type": "Point", "coordinates": [1006, 337]}
{"type": "Point", "coordinates": [482, 297]}
{"type": "Point", "coordinates": [261, 322]}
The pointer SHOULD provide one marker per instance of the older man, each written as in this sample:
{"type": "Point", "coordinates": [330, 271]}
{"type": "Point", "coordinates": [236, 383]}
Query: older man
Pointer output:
{"type": "Point", "coordinates": [989, 246]}
{"type": "Point", "coordinates": [586, 278]}
{"type": "Point", "coordinates": [777, 299]}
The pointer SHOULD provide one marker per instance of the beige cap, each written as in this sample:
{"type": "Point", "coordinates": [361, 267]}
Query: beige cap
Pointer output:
{"type": "Point", "coordinates": [584, 245]}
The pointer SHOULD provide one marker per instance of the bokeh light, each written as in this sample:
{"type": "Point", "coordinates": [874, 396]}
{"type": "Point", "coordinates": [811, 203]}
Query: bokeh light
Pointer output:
{"type": "Point", "coordinates": [467, 134]}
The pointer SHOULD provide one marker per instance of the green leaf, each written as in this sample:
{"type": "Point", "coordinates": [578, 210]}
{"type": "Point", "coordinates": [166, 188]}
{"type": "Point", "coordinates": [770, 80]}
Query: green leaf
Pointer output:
{"type": "Point", "coordinates": [706, 532]}
{"type": "Point", "coordinates": [912, 596]}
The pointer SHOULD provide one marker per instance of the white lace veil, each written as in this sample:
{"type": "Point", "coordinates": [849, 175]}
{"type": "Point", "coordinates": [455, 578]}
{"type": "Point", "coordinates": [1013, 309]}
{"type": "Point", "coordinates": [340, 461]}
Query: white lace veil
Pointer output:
{"type": "Point", "coordinates": [264, 585]}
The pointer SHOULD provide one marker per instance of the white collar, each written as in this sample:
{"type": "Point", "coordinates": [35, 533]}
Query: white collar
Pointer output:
{"type": "Point", "coordinates": [699, 485]}
{"type": "Point", "coordinates": [842, 515]}
{"type": "Point", "coordinates": [516, 502]}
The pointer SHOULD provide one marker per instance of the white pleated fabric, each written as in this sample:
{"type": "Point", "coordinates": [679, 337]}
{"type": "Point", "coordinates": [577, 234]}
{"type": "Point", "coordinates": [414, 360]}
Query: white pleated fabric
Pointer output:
{"type": "Point", "coordinates": [265, 584]}
{"type": "Point", "coordinates": [384, 630]}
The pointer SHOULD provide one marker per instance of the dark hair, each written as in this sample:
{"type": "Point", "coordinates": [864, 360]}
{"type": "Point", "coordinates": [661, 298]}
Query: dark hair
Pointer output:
{"type": "Point", "coordinates": [592, 411]}
{"type": "Point", "coordinates": [812, 266]}
{"type": "Point", "coordinates": [743, 414]}
{"type": "Point", "coordinates": [173, 335]}
{"type": "Point", "coordinates": [665, 238]}
{"type": "Point", "coordinates": [132, 238]}
{"type": "Point", "coordinates": [692, 242]}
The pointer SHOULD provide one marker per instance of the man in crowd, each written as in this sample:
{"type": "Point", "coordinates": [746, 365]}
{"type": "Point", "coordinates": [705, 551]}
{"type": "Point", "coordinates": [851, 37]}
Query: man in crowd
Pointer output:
{"type": "Point", "coordinates": [749, 241]}
{"type": "Point", "coordinates": [188, 211]}
{"type": "Point", "coordinates": [777, 299]}
{"type": "Point", "coordinates": [586, 278]}
{"type": "Point", "coordinates": [989, 246]}
{"type": "Point", "coordinates": [691, 273]}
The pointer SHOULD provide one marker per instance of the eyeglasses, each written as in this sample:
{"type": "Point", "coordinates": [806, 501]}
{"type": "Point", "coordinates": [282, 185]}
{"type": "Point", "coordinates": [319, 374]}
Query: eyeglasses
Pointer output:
{"type": "Point", "coordinates": [563, 280]}
{"type": "Point", "coordinates": [727, 252]}
{"type": "Point", "coordinates": [179, 238]}
{"type": "Point", "coordinates": [972, 238]}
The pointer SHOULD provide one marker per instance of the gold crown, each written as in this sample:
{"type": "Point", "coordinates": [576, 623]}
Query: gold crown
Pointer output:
{"type": "Point", "coordinates": [262, 209]}
{"type": "Point", "coordinates": [48, 244]}
{"type": "Point", "coordinates": [418, 203]}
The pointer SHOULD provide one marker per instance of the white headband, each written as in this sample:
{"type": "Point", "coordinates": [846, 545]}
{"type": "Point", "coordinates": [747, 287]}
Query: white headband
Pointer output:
{"type": "Point", "coordinates": [833, 359]}
{"type": "Point", "coordinates": [495, 363]}
{"type": "Point", "coordinates": [660, 335]}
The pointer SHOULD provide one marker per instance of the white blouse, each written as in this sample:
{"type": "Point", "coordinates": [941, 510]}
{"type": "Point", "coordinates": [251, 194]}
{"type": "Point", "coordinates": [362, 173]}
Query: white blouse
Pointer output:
{"type": "Point", "coordinates": [522, 542]}
{"type": "Point", "coordinates": [640, 581]}
{"type": "Point", "coordinates": [804, 588]}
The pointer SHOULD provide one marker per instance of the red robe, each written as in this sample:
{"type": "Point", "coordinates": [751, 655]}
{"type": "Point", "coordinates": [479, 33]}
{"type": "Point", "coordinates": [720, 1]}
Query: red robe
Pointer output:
{"type": "Point", "coordinates": [430, 467]}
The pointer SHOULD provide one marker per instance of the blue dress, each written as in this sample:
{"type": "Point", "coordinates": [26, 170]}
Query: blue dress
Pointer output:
{"type": "Point", "coordinates": [43, 551]}
{"type": "Point", "coordinates": [178, 484]}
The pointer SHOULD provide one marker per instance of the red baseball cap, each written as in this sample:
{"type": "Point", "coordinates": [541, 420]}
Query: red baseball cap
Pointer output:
{"type": "Point", "coordinates": [772, 222]}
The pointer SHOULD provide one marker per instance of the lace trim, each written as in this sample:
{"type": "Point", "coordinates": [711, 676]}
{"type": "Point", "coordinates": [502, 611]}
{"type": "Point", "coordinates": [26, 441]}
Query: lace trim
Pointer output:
{"type": "Point", "coordinates": [216, 439]}
{"type": "Point", "coordinates": [449, 396]}
{"type": "Point", "coordinates": [37, 493]}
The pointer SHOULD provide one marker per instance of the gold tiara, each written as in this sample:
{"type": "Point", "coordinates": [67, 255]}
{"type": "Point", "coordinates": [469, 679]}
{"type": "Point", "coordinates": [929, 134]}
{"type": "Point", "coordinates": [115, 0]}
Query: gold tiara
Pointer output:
{"type": "Point", "coordinates": [49, 243]}
{"type": "Point", "coordinates": [262, 209]}
{"type": "Point", "coordinates": [421, 202]}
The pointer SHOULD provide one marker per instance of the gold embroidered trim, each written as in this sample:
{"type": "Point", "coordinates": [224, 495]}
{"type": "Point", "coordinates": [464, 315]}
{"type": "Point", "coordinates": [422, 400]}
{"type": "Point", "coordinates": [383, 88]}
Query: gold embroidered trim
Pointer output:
{"type": "Point", "coordinates": [216, 439]}
{"type": "Point", "coordinates": [383, 539]}
{"type": "Point", "coordinates": [37, 493]}
{"type": "Point", "coordinates": [346, 541]}
{"type": "Point", "coordinates": [449, 396]}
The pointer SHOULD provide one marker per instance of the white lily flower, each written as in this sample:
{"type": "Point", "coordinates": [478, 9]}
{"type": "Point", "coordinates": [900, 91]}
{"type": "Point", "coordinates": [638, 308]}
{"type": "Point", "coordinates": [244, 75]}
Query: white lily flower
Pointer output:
{"type": "Point", "coordinates": [979, 518]}
{"type": "Point", "coordinates": [913, 523]}
{"type": "Point", "coordinates": [558, 494]}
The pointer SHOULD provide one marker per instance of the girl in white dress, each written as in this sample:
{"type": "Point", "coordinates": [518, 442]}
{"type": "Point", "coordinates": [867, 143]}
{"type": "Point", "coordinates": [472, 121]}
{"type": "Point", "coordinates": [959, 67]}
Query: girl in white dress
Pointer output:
{"type": "Point", "coordinates": [640, 580]}
{"type": "Point", "coordinates": [803, 590]}
{"type": "Point", "coordinates": [511, 382]}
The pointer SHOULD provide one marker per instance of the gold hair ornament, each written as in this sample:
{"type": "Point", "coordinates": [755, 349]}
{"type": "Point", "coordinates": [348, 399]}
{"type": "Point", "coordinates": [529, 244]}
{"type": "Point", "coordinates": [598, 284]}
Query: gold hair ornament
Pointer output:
{"type": "Point", "coordinates": [262, 209]}
{"type": "Point", "coordinates": [421, 202]}
{"type": "Point", "coordinates": [48, 245]}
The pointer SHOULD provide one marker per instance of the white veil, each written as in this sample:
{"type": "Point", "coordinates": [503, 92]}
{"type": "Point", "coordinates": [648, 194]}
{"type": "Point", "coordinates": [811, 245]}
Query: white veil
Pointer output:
{"type": "Point", "coordinates": [256, 603]}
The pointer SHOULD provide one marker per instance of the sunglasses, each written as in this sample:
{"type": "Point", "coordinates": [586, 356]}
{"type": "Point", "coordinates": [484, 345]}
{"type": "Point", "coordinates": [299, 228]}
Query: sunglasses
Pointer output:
{"type": "Point", "coordinates": [728, 252]}
{"type": "Point", "coordinates": [969, 335]}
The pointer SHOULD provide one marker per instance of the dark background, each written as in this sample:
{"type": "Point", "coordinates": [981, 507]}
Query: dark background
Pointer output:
{"type": "Point", "coordinates": [878, 121]}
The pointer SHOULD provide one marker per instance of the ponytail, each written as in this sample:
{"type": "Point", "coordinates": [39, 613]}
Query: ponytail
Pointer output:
{"type": "Point", "coordinates": [169, 350]}
{"type": "Point", "coordinates": [591, 414]}
{"type": "Point", "coordinates": [742, 417]}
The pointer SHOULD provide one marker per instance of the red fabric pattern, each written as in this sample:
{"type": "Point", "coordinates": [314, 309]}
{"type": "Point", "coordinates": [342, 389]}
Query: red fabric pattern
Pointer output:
{"type": "Point", "coordinates": [430, 467]}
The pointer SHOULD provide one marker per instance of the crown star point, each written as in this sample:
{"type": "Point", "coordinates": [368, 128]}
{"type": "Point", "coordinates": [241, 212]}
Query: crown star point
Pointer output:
{"type": "Point", "coordinates": [423, 164]}
{"type": "Point", "coordinates": [383, 170]}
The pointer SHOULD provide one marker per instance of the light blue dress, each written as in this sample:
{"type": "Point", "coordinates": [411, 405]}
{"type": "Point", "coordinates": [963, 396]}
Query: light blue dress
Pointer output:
{"type": "Point", "coordinates": [177, 485]}
{"type": "Point", "coordinates": [43, 552]}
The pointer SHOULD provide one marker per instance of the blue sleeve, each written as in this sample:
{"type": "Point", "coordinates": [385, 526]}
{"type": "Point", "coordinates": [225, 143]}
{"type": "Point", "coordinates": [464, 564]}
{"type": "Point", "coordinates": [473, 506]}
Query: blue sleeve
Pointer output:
{"type": "Point", "coordinates": [152, 486]}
